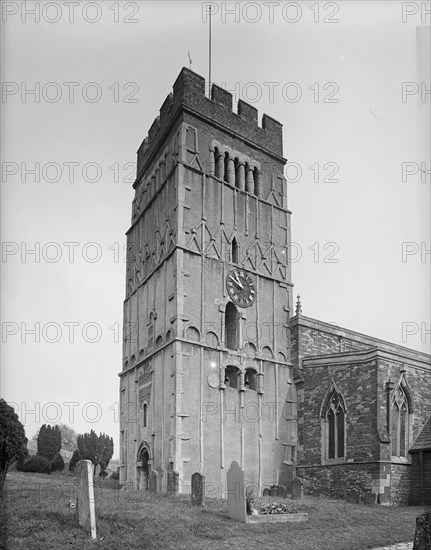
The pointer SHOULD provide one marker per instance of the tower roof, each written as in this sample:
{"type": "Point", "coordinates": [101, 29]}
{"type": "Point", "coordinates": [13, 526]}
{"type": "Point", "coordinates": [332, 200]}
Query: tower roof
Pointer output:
{"type": "Point", "coordinates": [189, 95]}
{"type": "Point", "coordinates": [423, 440]}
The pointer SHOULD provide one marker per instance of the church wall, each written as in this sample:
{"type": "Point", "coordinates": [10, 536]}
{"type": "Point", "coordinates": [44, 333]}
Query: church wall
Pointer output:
{"type": "Point", "coordinates": [356, 383]}
{"type": "Point", "coordinates": [418, 378]}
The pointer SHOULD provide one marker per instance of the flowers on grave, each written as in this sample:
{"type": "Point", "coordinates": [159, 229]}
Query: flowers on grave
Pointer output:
{"type": "Point", "coordinates": [276, 508]}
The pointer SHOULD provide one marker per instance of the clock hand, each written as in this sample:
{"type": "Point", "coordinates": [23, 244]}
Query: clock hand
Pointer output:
{"type": "Point", "coordinates": [237, 281]}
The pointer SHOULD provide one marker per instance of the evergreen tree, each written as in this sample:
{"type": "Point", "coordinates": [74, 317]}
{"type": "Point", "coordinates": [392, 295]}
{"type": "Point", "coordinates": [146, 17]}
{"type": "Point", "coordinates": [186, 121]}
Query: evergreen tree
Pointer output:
{"type": "Point", "coordinates": [48, 441]}
{"type": "Point", "coordinates": [76, 457]}
{"type": "Point", "coordinates": [13, 443]}
{"type": "Point", "coordinates": [97, 448]}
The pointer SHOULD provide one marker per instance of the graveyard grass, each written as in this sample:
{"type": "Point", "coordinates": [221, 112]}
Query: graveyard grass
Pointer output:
{"type": "Point", "coordinates": [36, 514]}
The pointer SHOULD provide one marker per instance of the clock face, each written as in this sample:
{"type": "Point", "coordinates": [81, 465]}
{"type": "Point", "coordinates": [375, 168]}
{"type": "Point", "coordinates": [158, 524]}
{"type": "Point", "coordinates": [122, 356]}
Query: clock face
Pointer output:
{"type": "Point", "coordinates": [240, 287]}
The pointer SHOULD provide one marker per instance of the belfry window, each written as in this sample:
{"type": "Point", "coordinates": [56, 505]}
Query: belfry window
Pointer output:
{"type": "Point", "coordinates": [235, 251]}
{"type": "Point", "coordinates": [231, 377]}
{"type": "Point", "coordinates": [250, 380]}
{"type": "Point", "coordinates": [216, 162]}
{"type": "Point", "coordinates": [400, 410]}
{"type": "Point", "coordinates": [333, 419]}
{"type": "Point", "coordinates": [231, 327]}
{"type": "Point", "coordinates": [226, 167]}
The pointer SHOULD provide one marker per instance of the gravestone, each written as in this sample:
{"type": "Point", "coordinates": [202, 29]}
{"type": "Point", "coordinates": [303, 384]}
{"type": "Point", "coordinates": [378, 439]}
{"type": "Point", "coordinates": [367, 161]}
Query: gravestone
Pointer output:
{"type": "Point", "coordinates": [369, 499]}
{"type": "Point", "coordinates": [422, 540]}
{"type": "Point", "coordinates": [352, 496]}
{"type": "Point", "coordinates": [153, 481]}
{"type": "Point", "coordinates": [297, 488]}
{"type": "Point", "coordinates": [172, 482]}
{"type": "Point", "coordinates": [235, 493]}
{"type": "Point", "coordinates": [66, 468]}
{"type": "Point", "coordinates": [198, 489]}
{"type": "Point", "coordinates": [266, 492]}
{"type": "Point", "coordinates": [97, 470]}
{"type": "Point", "coordinates": [274, 491]}
{"type": "Point", "coordinates": [85, 508]}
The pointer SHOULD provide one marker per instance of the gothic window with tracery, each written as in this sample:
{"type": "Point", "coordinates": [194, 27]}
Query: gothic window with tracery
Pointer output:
{"type": "Point", "coordinates": [334, 425]}
{"type": "Point", "coordinates": [399, 422]}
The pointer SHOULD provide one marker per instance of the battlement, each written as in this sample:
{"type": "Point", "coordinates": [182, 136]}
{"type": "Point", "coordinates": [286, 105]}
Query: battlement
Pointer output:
{"type": "Point", "coordinates": [189, 94]}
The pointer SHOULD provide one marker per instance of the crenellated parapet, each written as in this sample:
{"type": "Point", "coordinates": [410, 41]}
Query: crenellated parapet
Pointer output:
{"type": "Point", "coordinates": [189, 95]}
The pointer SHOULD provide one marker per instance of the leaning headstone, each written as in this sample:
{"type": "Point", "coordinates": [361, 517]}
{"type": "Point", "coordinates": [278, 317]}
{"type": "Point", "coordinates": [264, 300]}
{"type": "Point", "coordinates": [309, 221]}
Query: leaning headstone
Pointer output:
{"type": "Point", "coordinates": [85, 508]}
{"type": "Point", "coordinates": [153, 481]}
{"type": "Point", "coordinates": [422, 540]}
{"type": "Point", "coordinates": [172, 482]}
{"type": "Point", "coordinates": [235, 493]}
{"type": "Point", "coordinates": [198, 489]}
{"type": "Point", "coordinates": [97, 471]}
{"type": "Point", "coordinates": [297, 488]}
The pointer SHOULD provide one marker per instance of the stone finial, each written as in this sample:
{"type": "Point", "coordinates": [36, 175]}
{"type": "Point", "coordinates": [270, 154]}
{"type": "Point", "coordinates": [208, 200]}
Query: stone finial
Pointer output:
{"type": "Point", "coordinates": [298, 310]}
{"type": "Point", "coordinates": [390, 385]}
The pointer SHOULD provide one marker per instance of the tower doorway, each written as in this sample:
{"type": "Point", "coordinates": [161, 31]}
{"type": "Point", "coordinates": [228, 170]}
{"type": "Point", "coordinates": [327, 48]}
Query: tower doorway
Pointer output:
{"type": "Point", "coordinates": [143, 470]}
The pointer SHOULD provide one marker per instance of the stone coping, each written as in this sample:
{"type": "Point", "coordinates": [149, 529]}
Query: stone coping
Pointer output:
{"type": "Point", "coordinates": [278, 518]}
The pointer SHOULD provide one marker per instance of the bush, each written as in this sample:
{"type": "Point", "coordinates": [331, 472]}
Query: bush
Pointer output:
{"type": "Point", "coordinates": [37, 464]}
{"type": "Point", "coordinates": [57, 463]}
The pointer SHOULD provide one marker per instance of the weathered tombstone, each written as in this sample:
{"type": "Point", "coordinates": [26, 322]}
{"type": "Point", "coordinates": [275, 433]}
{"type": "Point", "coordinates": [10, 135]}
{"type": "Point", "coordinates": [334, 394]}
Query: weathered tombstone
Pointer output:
{"type": "Point", "coordinates": [422, 540]}
{"type": "Point", "coordinates": [198, 489]}
{"type": "Point", "coordinates": [266, 492]}
{"type": "Point", "coordinates": [153, 481]}
{"type": "Point", "coordinates": [274, 491]}
{"type": "Point", "coordinates": [369, 499]}
{"type": "Point", "coordinates": [235, 493]}
{"type": "Point", "coordinates": [66, 468]}
{"type": "Point", "coordinates": [297, 488]}
{"type": "Point", "coordinates": [352, 496]}
{"type": "Point", "coordinates": [97, 470]}
{"type": "Point", "coordinates": [172, 482]}
{"type": "Point", "coordinates": [85, 508]}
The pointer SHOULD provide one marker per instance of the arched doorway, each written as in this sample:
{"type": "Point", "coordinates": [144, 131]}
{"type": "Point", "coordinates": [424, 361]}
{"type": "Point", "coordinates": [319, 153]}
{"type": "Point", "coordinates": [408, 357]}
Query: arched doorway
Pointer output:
{"type": "Point", "coordinates": [143, 469]}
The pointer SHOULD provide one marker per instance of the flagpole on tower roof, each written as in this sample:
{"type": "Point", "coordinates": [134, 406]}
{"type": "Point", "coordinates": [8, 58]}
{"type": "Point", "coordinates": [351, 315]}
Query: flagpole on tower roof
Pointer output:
{"type": "Point", "coordinates": [209, 55]}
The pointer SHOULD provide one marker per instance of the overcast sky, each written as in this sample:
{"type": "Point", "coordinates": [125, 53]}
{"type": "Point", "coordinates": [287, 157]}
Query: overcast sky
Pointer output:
{"type": "Point", "coordinates": [331, 72]}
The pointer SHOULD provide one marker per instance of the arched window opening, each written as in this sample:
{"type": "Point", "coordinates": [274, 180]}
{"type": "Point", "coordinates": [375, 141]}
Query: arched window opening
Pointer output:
{"type": "Point", "coordinates": [144, 414]}
{"type": "Point", "coordinates": [216, 162]}
{"type": "Point", "coordinates": [231, 327]}
{"type": "Point", "coordinates": [257, 183]}
{"type": "Point", "coordinates": [237, 176]}
{"type": "Point", "coordinates": [334, 426]}
{"type": "Point", "coordinates": [250, 379]}
{"type": "Point", "coordinates": [226, 167]}
{"type": "Point", "coordinates": [231, 377]}
{"type": "Point", "coordinates": [235, 251]}
{"type": "Point", "coordinates": [400, 422]}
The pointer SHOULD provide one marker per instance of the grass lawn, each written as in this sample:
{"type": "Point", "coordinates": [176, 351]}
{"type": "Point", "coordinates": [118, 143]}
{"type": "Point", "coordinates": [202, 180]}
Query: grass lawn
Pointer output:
{"type": "Point", "coordinates": [35, 515]}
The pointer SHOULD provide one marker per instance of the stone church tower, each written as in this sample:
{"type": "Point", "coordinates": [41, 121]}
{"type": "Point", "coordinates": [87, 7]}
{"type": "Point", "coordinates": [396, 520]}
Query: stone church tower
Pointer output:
{"type": "Point", "coordinates": [207, 375]}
